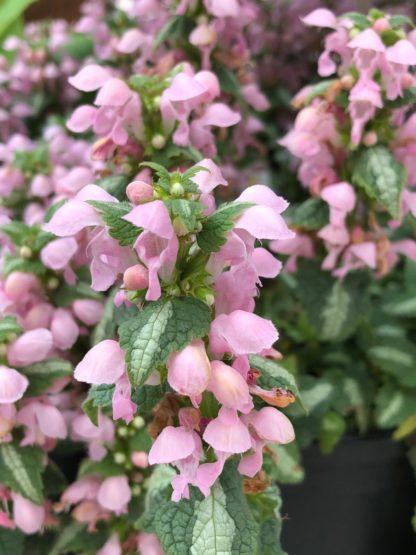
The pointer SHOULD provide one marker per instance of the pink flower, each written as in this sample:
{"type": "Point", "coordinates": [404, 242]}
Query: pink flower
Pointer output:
{"type": "Point", "coordinates": [57, 254]}
{"type": "Point", "coordinates": [229, 387]}
{"type": "Point", "coordinates": [97, 436]}
{"type": "Point", "coordinates": [241, 333]}
{"type": "Point", "coordinates": [12, 385]}
{"type": "Point", "coordinates": [42, 422]}
{"type": "Point", "coordinates": [90, 78]}
{"type": "Point", "coordinates": [189, 370]}
{"type": "Point", "coordinates": [32, 346]}
{"type": "Point", "coordinates": [364, 98]}
{"type": "Point", "coordinates": [172, 444]}
{"type": "Point", "coordinates": [111, 547]}
{"type": "Point", "coordinates": [148, 544]}
{"type": "Point", "coordinates": [64, 329]}
{"type": "Point", "coordinates": [157, 246]}
{"type": "Point", "coordinates": [88, 311]}
{"type": "Point", "coordinates": [103, 364]}
{"type": "Point", "coordinates": [27, 516]}
{"type": "Point", "coordinates": [321, 17]}
{"type": "Point", "coordinates": [227, 433]}
{"type": "Point", "coordinates": [114, 494]}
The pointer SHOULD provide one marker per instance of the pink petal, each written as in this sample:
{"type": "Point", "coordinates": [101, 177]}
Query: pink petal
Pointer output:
{"type": "Point", "coordinates": [131, 41]}
{"type": "Point", "coordinates": [340, 196]}
{"type": "Point", "coordinates": [12, 385]}
{"type": "Point", "coordinates": [368, 40]}
{"type": "Point", "coordinates": [111, 547]}
{"type": "Point", "coordinates": [189, 370]}
{"type": "Point", "coordinates": [114, 92]}
{"type": "Point", "coordinates": [32, 346]}
{"type": "Point", "coordinates": [320, 18]}
{"type": "Point", "coordinates": [227, 433]}
{"type": "Point", "coordinates": [265, 263]}
{"type": "Point", "coordinates": [260, 194]}
{"type": "Point", "coordinates": [58, 253]}
{"type": "Point", "coordinates": [103, 364]}
{"type": "Point", "coordinates": [64, 329]}
{"type": "Point", "coordinates": [220, 114]}
{"type": "Point", "coordinates": [90, 78]}
{"type": "Point", "coordinates": [171, 445]}
{"type": "Point", "coordinates": [114, 494]}
{"type": "Point", "coordinates": [229, 387]}
{"type": "Point", "coordinates": [51, 422]}
{"type": "Point", "coordinates": [263, 222]}
{"type": "Point", "coordinates": [88, 311]}
{"type": "Point", "coordinates": [152, 216]}
{"type": "Point", "coordinates": [184, 87]}
{"type": "Point", "coordinates": [241, 333]}
{"type": "Point", "coordinates": [71, 218]}
{"type": "Point", "coordinates": [82, 119]}
{"type": "Point", "coordinates": [27, 516]}
{"type": "Point", "coordinates": [402, 52]}
{"type": "Point", "coordinates": [208, 180]}
{"type": "Point", "coordinates": [272, 425]}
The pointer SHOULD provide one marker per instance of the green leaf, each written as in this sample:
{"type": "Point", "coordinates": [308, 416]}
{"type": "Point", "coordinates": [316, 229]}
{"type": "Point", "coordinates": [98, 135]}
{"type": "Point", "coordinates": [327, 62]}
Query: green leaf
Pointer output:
{"type": "Point", "coordinates": [394, 405]}
{"type": "Point", "coordinates": [332, 428]}
{"type": "Point", "coordinates": [99, 396]}
{"type": "Point", "coordinates": [287, 469]}
{"type": "Point", "coordinates": [54, 479]}
{"type": "Point", "coordinates": [311, 215]}
{"type": "Point", "coordinates": [112, 214]}
{"type": "Point", "coordinates": [358, 19]}
{"type": "Point", "coordinates": [106, 467]}
{"type": "Point", "coordinates": [106, 327]}
{"type": "Point", "coordinates": [187, 210]}
{"type": "Point", "coordinates": [177, 27]}
{"type": "Point", "coordinates": [403, 305]}
{"type": "Point", "coordinates": [11, 542]}
{"type": "Point", "coordinates": [76, 538]}
{"type": "Point", "coordinates": [217, 225]}
{"type": "Point", "coordinates": [266, 507]}
{"type": "Point", "coordinates": [79, 46]}
{"type": "Point", "coordinates": [10, 11]}
{"type": "Point", "coordinates": [9, 328]}
{"type": "Point", "coordinates": [274, 375]}
{"type": "Point", "coordinates": [333, 307]}
{"type": "Point", "coordinates": [21, 469]}
{"type": "Point", "coordinates": [42, 375]}
{"type": "Point", "coordinates": [115, 185]}
{"type": "Point", "coordinates": [147, 397]}
{"type": "Point", "coordinates": [397, 357]}
{"type": "Point", "coordinates": [400, 20]}
{"type": "Point", "coordinates": [161, 328]}
{"type": "Point", "coordinates": [28, 266]}
{"type": "Point", "coordinates": [220, 523]}
{"type": "Point", "coordinates": [17, 231]}
{"type": "Point", "coordinates": [228, 81]}
{"type": "Point", "coordinates": [380, 175]}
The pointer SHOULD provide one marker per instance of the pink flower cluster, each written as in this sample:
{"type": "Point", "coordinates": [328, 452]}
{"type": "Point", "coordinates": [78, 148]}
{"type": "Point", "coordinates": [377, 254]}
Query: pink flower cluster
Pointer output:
{"type": "Point", "coordinates": [362, 107]}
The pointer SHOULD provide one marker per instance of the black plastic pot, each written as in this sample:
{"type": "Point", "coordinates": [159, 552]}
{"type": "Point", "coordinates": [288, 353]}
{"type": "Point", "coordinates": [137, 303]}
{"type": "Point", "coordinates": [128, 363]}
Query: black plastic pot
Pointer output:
{"type": "Point", "coordinates": [357, 501]}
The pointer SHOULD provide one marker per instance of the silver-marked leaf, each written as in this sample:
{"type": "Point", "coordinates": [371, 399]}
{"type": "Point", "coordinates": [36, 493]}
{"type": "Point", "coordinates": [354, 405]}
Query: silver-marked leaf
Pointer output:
{"type": "Point", "coordinates": [161, 328]}
{"type": "Point", "coordinates": [394, 406]}
{"type": "Point", "coordinates": [21, 469]}
{"type": "Point", "coordinates": [381, 175]}
{"type": "Point", "coordinates": [9, 328]}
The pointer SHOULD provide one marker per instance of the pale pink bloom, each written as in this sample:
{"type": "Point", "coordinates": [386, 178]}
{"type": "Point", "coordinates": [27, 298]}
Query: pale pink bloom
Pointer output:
{"type": "Point", "coordinates": [12, 385]}
{"type": "Point", "coordinates": [123, 406]}
{"type": "Point", "coordinates": [114, 494]}
{"type": "Point", "coordinates": [207, 181]}
{"type": "Point", "coordinates": [172, 444]}
{"type": "Point", "coordinates": [148, 544]}
{"type": "Point", "coordinates": [5, 521]}
{"type": "Point", "coordinates": [103, 364]}
{"type": "Point", "coordinates": [64, 329]}
{"type": "Point", "coordinates": [27, 516]}
{"type": "Point", "coordinates": [41, 422]}
{"type": "Point", "coordinates": [39, 316]}
{"type": "Point", "coordinates": [88, 311]}
{"type": "Point", "coordinates": [241, 333]}
{"type": "Point", "coordinates": [140, 459]}
{"type": "Point", "coordinates": [272, 425]}
{"type": "Point", "coordinates": [41, 186]}
{"type": "Point", "coordinates": [111, 547]}
{"type": "Point", "coordinates": [32, 346]}
{"type": "Point", "coordinates": [255, 97]}
{"type": "Point", "coordinates": [400, 56]}
{"type": "Point", "coordinates": [369, 52]}
{"type": "Point", "coordinates": [131, 40]}
{"type": "Point", "coordinates": [223, 8]}
{"type": "Point", "coordinates": [364, 99]}
{"type": "Point", "coordinates": [157, 246]}
{"type": "Point", "coordinates": [227, 433]}
{"type": "Point", "coordinates": [139, 191]}
{"type": "Point", "coordinates": [229, 387]}
{"type": "Point", "coordinates": [189, 370]}
{"type": "Point", "coordinates": [57, 254]}
{"type": "Point", "coordinates": [321, 17]}
{"type": "Point", "coordinates": [341, 199]}
{"type": "Point", "coordinates": [299, 246]}
{"type": "Point", "coordinates": [19, 284]}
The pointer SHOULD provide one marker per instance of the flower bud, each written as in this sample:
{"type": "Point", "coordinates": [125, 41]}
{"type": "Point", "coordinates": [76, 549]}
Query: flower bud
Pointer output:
{"type": "Point", "coordinates": [177, 189]}
{"type": "Point", "coordinates": [381, 25]}
{"type": "Point", "coordinates": [229, 387]}
{"type": "Point", "coordinates": [119, 458]}
{"type": "Point", "coordinates": [370, 138]}
{"type": "Point", "coordinates": [158, 141]}
{"type": "Point", "coordinates": [189, 370]}
{"type": "Point", "coordinates": [347, 82]}
{"type": "Point", "coordinates": [140, 459]}
{"type": "Point", "coordinates": [407, 80]}
{"type": "Point", "coordinates": [139, 191]}
{"type": "Point", "coordinates": [136, 277]}
{"type": "Point", "coordinates": [25, 252]}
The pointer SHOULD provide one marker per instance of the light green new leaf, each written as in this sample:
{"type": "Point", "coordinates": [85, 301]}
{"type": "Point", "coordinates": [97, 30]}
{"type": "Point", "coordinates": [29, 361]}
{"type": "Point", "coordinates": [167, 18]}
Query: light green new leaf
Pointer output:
{"type": "Point", "coordinates": [161, 328]}
{"type": "Point", "coordinates": [378, 172]}
{"type": "Point", "coordinates": [10, 11]}
{"type": "Point", "coordinates": [21, 469]}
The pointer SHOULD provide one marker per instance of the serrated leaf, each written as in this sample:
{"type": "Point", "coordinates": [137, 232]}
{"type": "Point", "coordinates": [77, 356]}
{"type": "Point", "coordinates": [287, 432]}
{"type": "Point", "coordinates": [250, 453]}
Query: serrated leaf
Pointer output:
{"type": "Point", "coordinates": [221, 523]}
{"type": "Point", "coordinates": [216, 226]}
{"type": "Point", "coordinates": [112, 214]}
{"type": "Point", "coordinates": [9, 328]}
{"type": "Point", "coordinates": [178, 26]}
{"type": "Point", "coordinates": [147, 397]}
{"type": "Point", "coordinates": [397, 357]}
{"type": "Point", "coordinates": [378, 172]}
{"type": "Point", "coordinates": [11, 542]}
{"type": "Point", "coordinates": [99, 396]}
{"type": "Point", "coordinates": [42, 375]}
{"type": "Point", "coordinates": [393, 406]}
{"type": "Point", "coordinates": [274, 375]}
{"type": "Point", "coordinates": [21, 469]}
{"type": "Point", "coordinates": [311, 215]}
{"type": "Point", "coordinates": [333, 307]}
{"type": "Point", "coordinates": [161, 328]}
